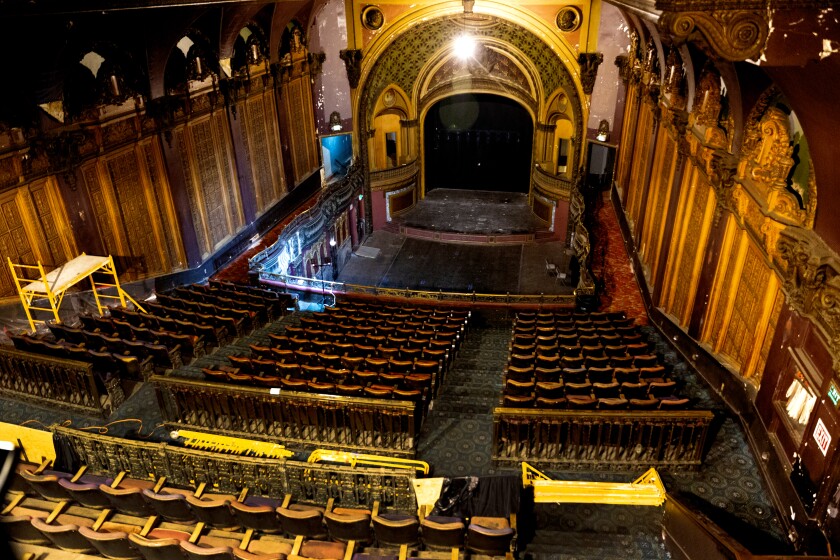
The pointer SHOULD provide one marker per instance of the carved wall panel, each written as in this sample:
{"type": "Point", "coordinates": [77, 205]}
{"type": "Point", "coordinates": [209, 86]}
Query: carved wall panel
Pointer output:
{"type": "Point", "coordinates": [99, 205]}
{"type": "Point", "coordinates": [743, 327]}
{"type": "Point", "coordinates": [214, 192]}
{"type": "Point", "coordinates": [133, 210]}
{"type": "Point", "coordinates": [261, 139]}
{"type": "Point", "coordinates": [641, 145]}
{"type": "Point", "coordinates": [660, 193]}
{"type": "Point", "coordinates": [134, 215]}
{"type": "Point", "coordinates": [33, 228]}
{"type": "Point", "coordinates": [628, 131]}
{"type": "Point", "coordinates": [689, 247]}
{"type": "Point", "coordinates": [297, 102]}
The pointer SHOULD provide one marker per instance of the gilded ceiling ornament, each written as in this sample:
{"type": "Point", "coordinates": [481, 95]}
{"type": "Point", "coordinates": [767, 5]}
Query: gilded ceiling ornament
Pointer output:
{"type": "Point", "coordinates": [732, 35]}
{"type": "Point", "coordinates": [706, 108]}
{"type": "Point", "coordinates": [372, 18]}
{"type": "Point", "coordinates": [810, 273]}
{"type": "Point", "coordinates": [768, 151]}
{"type": "Point", "coordinates": [569, 19]}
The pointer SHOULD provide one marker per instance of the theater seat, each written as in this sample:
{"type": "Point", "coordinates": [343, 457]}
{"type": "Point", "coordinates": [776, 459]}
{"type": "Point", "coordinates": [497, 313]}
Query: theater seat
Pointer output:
{"type": "Point", "coordinates": [19, 529]}
{"type": "Point", "coordinates": [396, 529]}
{"type": "Point", "coordinates": [442, 533]}
{"type": "Point", "coordinates": [112, 544]}
{"type": "Point", "coordinates": [491, 536]}
{"type": "Point", "coordinates": [162, 546]}
{"type": "Point", "coordinates": [64, 536]}
{"type": "Point", "coordinates": [348, 525]}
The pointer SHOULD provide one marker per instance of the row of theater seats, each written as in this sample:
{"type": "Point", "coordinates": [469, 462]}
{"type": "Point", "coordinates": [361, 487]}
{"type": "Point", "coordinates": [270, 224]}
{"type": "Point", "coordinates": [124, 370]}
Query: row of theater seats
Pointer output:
{"type": "Point", "coordinates": [126, 340]}
{"type": "Point", "coordinates": [413, 387]}
{"type": "Point", "coordinates": [254, 306]}
{"type": "Point", "coordinates": [216, 330]}
{"type": "Point", "coordinates": [266, 360]}
{"type": "Point", "coordinates": [129, 525]}
{"type": "Point", "coordinates": [574, 402]}
{"type": "Point", "coordinates": [105, 364]}
{"type": "Point", "coordinates": [584, 361]}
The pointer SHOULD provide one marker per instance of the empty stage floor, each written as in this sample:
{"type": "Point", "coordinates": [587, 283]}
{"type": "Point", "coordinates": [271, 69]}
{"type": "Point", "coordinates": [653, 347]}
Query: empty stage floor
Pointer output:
{"type": "Point", "coordinates": [429, 265]}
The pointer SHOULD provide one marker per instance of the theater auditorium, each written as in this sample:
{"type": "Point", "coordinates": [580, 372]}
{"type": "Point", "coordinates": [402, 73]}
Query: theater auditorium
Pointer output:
{"type": "Point", "coordinates": [443, 279]}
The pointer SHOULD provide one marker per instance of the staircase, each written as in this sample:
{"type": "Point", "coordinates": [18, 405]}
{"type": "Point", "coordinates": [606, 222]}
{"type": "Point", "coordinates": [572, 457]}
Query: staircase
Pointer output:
{"type": "Point", "coordinates": [458, 432]}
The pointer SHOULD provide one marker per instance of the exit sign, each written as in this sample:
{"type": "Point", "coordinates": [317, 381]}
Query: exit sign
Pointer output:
{"type": "Point", "coordinates": [822, 437]}
{"type": "Point", "coordinates": [833, 393]}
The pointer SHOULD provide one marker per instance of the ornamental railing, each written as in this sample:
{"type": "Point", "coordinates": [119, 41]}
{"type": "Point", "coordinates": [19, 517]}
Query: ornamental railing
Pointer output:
{"type": "Point", "coordinates": [566, 438]}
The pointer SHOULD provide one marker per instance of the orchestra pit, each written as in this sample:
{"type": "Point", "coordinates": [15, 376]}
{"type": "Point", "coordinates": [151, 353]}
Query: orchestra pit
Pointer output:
{"type": "Point", "coordinates": [340, 280]}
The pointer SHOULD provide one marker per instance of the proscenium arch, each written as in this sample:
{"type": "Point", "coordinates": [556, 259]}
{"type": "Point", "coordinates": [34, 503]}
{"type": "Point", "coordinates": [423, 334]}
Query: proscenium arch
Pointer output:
{"type": "Point", "coordinates": [398, 59]}
{"type": "Point", "coordinates": [481, 165]}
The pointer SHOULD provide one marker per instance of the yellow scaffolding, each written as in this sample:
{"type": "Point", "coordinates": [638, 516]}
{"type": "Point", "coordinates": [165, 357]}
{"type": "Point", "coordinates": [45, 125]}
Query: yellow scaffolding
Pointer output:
{"type": "Point", "coordinates": [54, 284]}
{"type": "Point", "coordinates": [353, 459]}
{"type": "Point", "coordinates": [647, 490]}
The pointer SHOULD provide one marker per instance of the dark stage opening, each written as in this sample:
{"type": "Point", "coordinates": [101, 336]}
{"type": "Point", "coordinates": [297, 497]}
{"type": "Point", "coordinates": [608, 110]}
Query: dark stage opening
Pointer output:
{"type": "Point", "coordinates": [478, 142]}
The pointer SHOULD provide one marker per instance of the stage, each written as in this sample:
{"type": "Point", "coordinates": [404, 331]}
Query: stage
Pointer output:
{"type": "Point", "coordinates": [472, 212]}
{"type": "Point", "coordinates": [396, 261]}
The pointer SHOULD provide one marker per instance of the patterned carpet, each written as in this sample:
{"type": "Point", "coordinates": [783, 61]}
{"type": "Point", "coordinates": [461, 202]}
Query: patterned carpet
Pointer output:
{"type": "Point", "coordinates": [612, 263]}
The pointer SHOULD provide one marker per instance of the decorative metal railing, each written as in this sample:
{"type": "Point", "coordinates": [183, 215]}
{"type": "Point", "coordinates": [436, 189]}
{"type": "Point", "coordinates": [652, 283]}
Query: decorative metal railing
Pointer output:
{"type": "Point", "coordinates": [50, 381]}
{"type": "Point", "coordinates": [350, 486]}
{"type": "Point", "coordinates": [308, 227]}
{"type": "Point", "coordinates": [387, 427]}
{"type": "Point", "coordinates": [552, 184]}
{"type": "Point", "coordinates": [328, 287]}
{"type": "Point", "coordinates": [596, 439]}
{"type": "Point", "coordinates": [394, 175]}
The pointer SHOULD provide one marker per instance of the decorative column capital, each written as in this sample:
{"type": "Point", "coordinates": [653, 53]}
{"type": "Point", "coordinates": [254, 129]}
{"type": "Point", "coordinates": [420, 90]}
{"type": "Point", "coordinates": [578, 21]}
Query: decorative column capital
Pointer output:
{"type": "Point", "coordinates": [589, 63]}
{"type": "Point", "coordinates": [353, 63]}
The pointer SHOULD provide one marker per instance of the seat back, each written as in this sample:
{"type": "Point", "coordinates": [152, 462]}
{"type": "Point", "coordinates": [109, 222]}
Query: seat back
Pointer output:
{"type": "Point", "coordinates": [197, 552]}
{"type": "Point", "coordinates": [46, 485]}
{"type": "Point", "coordinates": [485, 540]}
{"type": "Point", "coordinates": [156, 548]}
{"type": "Point", "coordinates": [261, 517]}
{"type": "Point", "coordinates": [64, 536]}
{"type": "Point", "coordinates": [442, 533]}
{"type": "Point", "coordinates": [213, 512]}
{"type": "Point", "coordinates": [112, 544]}
{"type": "Point", "coordinates": [299, 521]}
{"type": "Point", "coordinates": [127, 500]}
{"type": "Point", "coordinates": [396, 529]}
{"type": "Point", "coordinates": [345, 527]}
{"type": "Point", "coordinates": [87, 494]}
{"type": "Point", "coordinates": [170, 506]}
{"type": "Point", "coordinates": [19, 529]}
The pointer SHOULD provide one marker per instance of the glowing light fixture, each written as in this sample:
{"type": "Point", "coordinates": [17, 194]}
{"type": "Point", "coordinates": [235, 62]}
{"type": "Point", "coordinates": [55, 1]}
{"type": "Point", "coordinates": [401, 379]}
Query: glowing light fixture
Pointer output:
{"type": "Point", "coordinates": [335, 121]}
{"type": "Point", "coordinates": [464, 46]}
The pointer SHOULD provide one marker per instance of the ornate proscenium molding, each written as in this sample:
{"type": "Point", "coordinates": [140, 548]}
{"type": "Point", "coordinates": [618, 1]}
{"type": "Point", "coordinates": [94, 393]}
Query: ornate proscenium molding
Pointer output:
{"type": "Point", "coordinates": [810, 273]}
{"type": "Point", "coordinates": [353, 63]}
{"type": "Point", "coordinates": [728, 34]}
{"type": "Point", "coordinates": [589, 63]}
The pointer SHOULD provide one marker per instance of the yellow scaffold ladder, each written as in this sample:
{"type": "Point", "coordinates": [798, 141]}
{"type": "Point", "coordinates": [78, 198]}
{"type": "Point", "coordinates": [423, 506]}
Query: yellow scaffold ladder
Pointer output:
{"type": "Point", "coordinates": [54, 284]}
{"type": "Point", "coordinates": [647, 490]}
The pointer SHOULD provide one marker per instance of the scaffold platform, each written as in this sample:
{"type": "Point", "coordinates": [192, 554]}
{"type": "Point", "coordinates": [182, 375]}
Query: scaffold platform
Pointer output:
{"type": "Point", "coordinates": [53, 285]}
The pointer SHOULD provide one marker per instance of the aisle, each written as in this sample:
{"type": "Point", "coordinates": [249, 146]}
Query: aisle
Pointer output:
{"type": "Point", "coordinates": [457, 435]}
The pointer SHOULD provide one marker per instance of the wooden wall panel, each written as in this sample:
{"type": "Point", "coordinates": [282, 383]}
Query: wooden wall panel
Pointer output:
{"type": "Point", "coordinates": [133, 210]}
{"type": "Point", "coordinates": [658, 200]}
{"type": "Point", "coordinates": [215, 204]}
{"type": "Point", "coordinates": [297, 101]}
{"type": "Point", "coordinates": [639, 165]}
{"type": "Point", "coordinates": [261, 140]}
{"type": "Point", "coordinates": [688, 244]}
{"type": "Point", "coordinates": [33, 227]}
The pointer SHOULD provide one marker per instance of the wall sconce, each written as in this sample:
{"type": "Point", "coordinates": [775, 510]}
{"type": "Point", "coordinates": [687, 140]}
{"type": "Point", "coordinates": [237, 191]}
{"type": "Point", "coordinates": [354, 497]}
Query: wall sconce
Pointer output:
{"type": "Point", "coordinates": [335, 121]}
{"type": "Point", "coordinates": [603, 131]}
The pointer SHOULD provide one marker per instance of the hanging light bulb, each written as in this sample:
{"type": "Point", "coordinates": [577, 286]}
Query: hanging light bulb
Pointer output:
{"type": "Point", "coordinates": [464, 46]}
